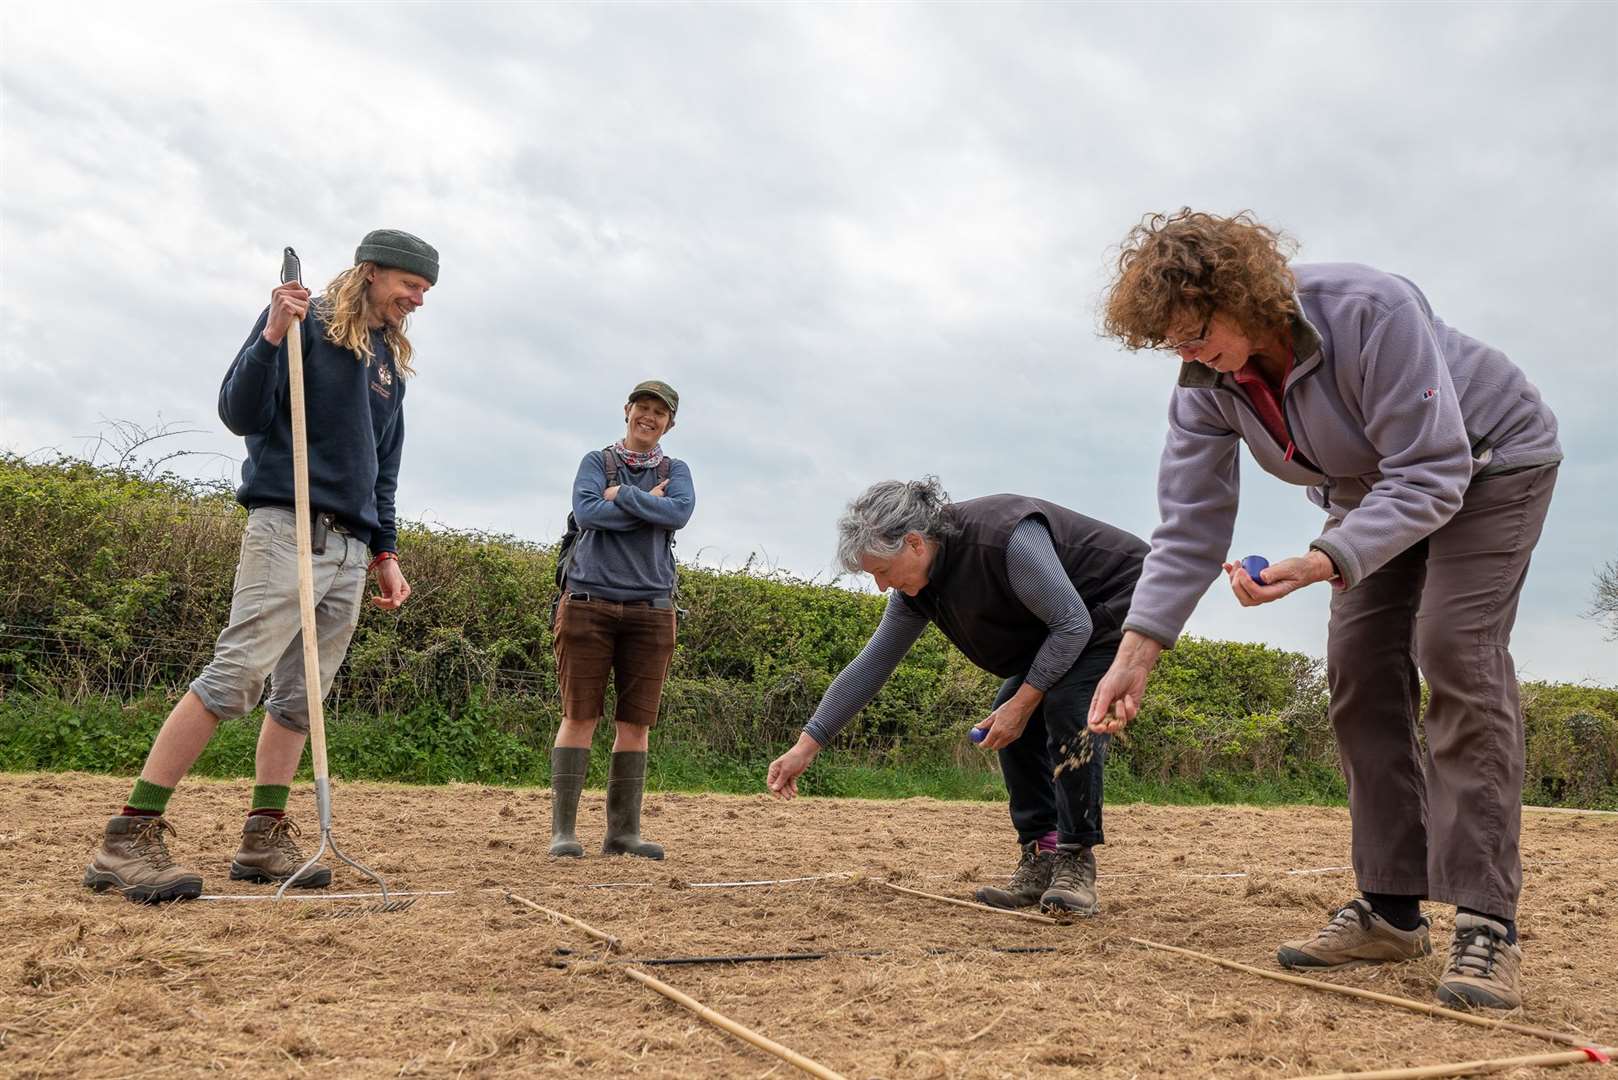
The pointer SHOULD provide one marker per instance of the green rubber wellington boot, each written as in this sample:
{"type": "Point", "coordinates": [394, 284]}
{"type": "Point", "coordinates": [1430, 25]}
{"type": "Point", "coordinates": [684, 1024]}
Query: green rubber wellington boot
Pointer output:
{"type": "Point", "coordinates": [625, 784]}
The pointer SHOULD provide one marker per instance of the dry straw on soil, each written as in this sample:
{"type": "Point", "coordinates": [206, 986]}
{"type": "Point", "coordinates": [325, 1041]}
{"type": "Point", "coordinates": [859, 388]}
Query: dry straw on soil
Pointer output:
{"type": "Point", "coordinates": [474, 985]}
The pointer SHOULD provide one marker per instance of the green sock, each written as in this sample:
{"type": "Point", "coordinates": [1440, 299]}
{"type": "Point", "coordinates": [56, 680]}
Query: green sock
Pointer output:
{"type": "Point", "coordinates": [270, 797]}
{"type": "Point", "coordinates": [149, 798]}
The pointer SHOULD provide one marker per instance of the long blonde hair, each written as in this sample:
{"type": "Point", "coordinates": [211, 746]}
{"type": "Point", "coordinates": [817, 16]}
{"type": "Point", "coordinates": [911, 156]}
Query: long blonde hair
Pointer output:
{"type": "Point", "coordinates": [343, 308]}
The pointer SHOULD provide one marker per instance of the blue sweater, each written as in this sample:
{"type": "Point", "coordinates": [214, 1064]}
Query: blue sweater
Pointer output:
{"type": "Point", "coordinates": [624, 550]}
{"type": "Point", "coordinates": [355, 417]}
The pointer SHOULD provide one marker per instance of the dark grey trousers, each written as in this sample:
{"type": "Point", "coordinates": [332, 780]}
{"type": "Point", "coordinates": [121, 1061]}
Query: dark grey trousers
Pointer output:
{"type": "Point", "coordinates": [1444, 825]}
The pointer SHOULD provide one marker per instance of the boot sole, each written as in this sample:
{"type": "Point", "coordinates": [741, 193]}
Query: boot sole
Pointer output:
{"type": "Point", "coordinates": [1293, 960]}
{"type": "Point", "coordinates": [186, 888]}
{"type": "Point", "coordinates": [315, 879]}
{"type": "Point", "coordinates": [1297, 960]}
{"type": "Point", "coordinates": [632, 854]}
{"type": "Point", "coordinates": [1002, 901]}
{"type": "Point", "coordinates": [1485, 1000]}
{"type": "Point", "coordinates": [1063, 907]}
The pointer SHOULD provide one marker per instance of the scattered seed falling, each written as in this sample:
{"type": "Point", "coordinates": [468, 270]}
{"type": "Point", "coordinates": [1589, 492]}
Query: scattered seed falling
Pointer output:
{"type": "Point", "coordinates": [1075, 756]}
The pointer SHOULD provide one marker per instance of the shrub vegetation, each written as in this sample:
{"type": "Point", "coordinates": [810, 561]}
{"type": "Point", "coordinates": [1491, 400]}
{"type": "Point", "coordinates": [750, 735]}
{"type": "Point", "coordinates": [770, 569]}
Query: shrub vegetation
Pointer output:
{"type": "Point", "coordinates": [113, 586]}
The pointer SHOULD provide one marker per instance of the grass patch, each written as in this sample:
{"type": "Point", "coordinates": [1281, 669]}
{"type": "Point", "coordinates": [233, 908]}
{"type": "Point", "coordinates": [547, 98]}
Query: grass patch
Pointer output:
{"type": "Point", "coordinates": [427, 746]}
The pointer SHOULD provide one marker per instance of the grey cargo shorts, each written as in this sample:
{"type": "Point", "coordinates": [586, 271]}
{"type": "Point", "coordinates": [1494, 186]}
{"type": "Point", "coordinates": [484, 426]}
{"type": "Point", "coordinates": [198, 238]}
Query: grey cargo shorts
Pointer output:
{"type": "Point", "coordinates": [264, 637]}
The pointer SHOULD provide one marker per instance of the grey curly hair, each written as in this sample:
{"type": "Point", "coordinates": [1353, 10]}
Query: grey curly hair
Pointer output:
{"type": "Point", "coordinates": [877, 522]}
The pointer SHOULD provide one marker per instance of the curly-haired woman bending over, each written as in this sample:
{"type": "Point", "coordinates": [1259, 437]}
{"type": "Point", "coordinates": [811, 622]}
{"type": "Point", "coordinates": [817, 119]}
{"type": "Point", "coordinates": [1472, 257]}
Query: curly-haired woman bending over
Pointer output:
{"type": "Point", "coordinates": [1434, 459]}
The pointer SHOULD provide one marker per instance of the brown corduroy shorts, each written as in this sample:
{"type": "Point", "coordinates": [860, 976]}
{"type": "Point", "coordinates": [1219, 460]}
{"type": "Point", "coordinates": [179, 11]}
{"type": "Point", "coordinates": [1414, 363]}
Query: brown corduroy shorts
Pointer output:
{"type": "Point", "coordinates": [631, 642]}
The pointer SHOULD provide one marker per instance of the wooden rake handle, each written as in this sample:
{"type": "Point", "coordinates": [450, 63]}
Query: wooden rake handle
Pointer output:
{"type": "Point", "coordinates": [291, 270]}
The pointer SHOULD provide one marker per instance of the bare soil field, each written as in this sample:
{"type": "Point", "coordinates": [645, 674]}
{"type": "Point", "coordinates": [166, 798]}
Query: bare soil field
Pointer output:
{"type": "Point", "coordinates": [473, 984]}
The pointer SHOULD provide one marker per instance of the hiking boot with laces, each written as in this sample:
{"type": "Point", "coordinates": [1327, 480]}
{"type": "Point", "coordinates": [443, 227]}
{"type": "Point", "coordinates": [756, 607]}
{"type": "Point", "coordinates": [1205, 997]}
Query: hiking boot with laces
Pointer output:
{"type": "Point", "coordinates": [134, 859]}
{"type": "Point", "coordinates": [1028, 881]}
{"type": "Point", "coordinates": [1355, 935]}
{"type": "Point", "coordinates": [270, 854]}
{"type": "Point", "coordinates": [1483, 967]}
{"type": "Point", "coordinates": [1073, 882]}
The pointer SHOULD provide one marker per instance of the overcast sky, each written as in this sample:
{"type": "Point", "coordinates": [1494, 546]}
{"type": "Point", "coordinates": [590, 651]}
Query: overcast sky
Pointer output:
{"type": "Point", "coordinates": [863, 241]}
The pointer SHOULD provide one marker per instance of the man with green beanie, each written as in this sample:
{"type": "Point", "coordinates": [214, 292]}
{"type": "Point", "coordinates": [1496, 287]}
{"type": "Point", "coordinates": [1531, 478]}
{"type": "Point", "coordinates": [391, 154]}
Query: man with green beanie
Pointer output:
{"type": "Point", "coordinates": [356, 360]}
{"type": "Point", "coordinates": [616, 615]}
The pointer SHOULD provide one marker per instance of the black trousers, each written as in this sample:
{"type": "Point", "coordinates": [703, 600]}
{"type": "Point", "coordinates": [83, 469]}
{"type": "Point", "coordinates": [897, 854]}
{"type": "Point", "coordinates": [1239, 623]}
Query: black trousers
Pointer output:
{"type": "Point", "coordinates": [1068, 803]}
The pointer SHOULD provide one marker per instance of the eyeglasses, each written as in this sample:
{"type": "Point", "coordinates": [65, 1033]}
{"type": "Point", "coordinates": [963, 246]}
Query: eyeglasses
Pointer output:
{"type": "Point", "coordinates": [1190, 343]}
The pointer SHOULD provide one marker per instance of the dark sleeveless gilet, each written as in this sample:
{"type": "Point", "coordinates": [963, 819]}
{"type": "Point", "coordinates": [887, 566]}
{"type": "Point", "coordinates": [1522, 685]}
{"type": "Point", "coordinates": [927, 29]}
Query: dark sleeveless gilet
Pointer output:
{"type": "Point", "coordinates": [969, 596]}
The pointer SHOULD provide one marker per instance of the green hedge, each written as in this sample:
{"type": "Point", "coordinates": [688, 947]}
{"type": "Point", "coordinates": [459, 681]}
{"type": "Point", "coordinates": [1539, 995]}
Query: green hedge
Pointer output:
{"type": "Point", "coordinates": [115, 585]}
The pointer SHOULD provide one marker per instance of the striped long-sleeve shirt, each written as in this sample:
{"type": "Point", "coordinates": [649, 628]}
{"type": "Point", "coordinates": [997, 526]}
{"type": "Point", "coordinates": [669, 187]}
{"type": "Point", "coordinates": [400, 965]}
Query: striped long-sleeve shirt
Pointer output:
{"type": "Point", "coordinates": [1040, 582]}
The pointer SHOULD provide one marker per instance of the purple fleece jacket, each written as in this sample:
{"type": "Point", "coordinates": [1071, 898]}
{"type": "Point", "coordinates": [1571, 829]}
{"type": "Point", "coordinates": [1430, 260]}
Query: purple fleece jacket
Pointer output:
{"type": "Point", "coordinates": [1393, 413]}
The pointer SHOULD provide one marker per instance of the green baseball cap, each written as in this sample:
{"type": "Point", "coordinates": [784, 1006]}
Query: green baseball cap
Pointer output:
{"type": "Point", "coordinates": [658, 389]}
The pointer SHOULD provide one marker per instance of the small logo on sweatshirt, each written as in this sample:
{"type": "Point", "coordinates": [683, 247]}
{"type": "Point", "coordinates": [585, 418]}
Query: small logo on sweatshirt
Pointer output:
{"type": "Point", "coordinates": [384, 378]}
{"type": "Point", "coordinates": [1429, 393]}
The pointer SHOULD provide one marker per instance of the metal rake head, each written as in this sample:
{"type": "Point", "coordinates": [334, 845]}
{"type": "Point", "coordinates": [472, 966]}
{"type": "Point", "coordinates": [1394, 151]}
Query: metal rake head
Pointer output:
{"type": "Point", "coordinates": [391, 906]}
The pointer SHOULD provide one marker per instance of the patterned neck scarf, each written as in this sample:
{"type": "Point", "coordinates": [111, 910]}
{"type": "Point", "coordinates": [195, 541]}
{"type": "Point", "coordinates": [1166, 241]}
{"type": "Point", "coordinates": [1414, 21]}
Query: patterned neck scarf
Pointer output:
{"type": "Point", "coordinates": [635, 459]}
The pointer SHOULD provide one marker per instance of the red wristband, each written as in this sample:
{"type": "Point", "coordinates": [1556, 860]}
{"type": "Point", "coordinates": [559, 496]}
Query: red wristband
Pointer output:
{"type": "Point", "coordinates": [381, 557]}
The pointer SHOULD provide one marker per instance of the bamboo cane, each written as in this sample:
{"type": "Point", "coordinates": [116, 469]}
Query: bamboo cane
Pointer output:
{"type": "Point", "coordinates": [237, 897]}
{"type": "Point", "coordinates": [719, 1020]}
{"type": "Point", "coordinates": [967, 903]}
{"type": "Point", "coordinates": [1471, 1068]}
{"type": "Point", "coordinates": [612, 943]}
{"type": "Point", "coordinates": [1372, 995]}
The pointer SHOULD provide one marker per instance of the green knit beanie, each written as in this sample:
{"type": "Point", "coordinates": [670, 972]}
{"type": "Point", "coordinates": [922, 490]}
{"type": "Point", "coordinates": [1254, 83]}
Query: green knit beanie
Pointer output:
{"type": "Point", "coordinates": [391, 247]}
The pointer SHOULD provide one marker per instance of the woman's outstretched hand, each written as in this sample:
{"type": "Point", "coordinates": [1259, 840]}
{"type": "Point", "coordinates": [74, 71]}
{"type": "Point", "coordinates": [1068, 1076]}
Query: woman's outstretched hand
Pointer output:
{"type": "Point", "coordinates": [782, 779]}
{"type": "Point", "coordinates": [1119, 693]}
{"type": "Point", "coordinates": [1280, 579]}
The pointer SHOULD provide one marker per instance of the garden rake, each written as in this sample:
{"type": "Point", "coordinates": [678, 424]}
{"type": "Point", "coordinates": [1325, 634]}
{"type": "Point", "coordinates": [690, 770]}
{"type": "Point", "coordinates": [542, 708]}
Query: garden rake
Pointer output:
{"type": "Point", "coordinates": [291, 271]}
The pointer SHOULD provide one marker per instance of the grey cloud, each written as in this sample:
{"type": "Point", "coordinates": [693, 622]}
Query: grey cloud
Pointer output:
{"type": "Point", "coordinates": [864, 241]}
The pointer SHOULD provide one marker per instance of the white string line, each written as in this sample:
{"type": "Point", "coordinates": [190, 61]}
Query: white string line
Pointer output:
{"type": "Point", "coordinates": [1309, 871]}
{"type": "Point", "coordinates": [1568, 810]}
{"type": "Point", "coordinates": [325, 896]}
{"type": "Point", "coordinates": [1299, 872]}
{"type": "Point", "coordinates": [845, 874]}
{"type": "Point", "coordinates": [1290, 873]}
{"type": "Point", "coordinates": [718, 884]}
{"type": "Point", "coordinates": [1105, 874]}
{"type": "Point", "coordinates": [924, 877]}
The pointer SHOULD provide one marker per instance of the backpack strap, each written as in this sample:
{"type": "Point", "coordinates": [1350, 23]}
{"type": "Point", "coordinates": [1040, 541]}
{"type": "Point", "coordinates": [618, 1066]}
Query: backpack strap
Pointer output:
{"type": "Point", "coordinates": [664, 467]}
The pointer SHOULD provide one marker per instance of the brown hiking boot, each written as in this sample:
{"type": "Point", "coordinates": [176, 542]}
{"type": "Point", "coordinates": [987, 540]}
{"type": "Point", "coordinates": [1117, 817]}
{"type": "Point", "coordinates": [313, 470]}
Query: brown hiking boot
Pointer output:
{"type": "Point", "coordinates": [1484, 969]}
{"type": "Point", "coordinates": [1355, 935]}
{"type": "Point", "coordinates": [1073, 882]}
{"type": "Point", "coordinates": [134, 859]}
{"type": "Point", "coordinates": [270, 855]}
{"type": "Point", "coordinates": [1028, 881]}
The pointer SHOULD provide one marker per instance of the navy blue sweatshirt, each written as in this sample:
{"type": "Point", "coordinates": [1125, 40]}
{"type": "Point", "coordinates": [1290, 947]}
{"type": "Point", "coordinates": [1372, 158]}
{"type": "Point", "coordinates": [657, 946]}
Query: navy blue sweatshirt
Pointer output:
{"type": "Point", "coordinates": [355, 415]}
{"type": "Point", "coordinates": [623, 550]}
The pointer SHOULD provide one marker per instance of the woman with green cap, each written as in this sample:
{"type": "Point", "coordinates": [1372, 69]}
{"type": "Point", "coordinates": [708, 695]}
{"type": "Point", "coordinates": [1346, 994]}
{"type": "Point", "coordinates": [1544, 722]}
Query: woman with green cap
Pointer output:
{"type": "Point", "coordinates": [616, 616]}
